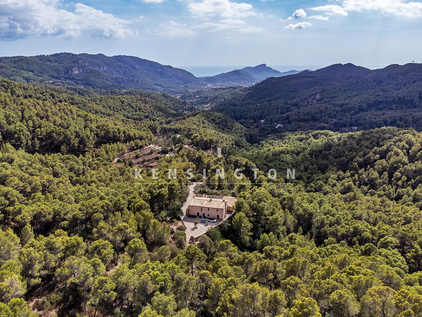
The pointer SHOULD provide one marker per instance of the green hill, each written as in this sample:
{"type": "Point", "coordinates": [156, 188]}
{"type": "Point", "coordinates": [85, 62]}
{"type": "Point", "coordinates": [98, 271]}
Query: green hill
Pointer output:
{"type": "Point", "coordinates": [78, 120]}
{"type": "Point", "coordinates": [50, 122]}
{"type": "Point", "coordinates": [339, 98]}
{"type": "Point", "coordinates": [131, 104]}
{"type": "Point", "coordinates": [98, 72]}
{"type": "Point", "coordinates": [207, 129]}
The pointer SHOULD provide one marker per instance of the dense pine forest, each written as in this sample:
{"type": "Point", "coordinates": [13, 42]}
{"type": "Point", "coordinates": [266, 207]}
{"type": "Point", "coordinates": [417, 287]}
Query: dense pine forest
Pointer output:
{"type": "Point", "coordinates": [81, 236]}
{"type": "Point", "coordinates": [338, 98]}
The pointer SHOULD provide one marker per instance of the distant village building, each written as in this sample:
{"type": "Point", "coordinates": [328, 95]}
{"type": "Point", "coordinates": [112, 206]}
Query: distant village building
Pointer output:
{"type": "Point", "coordinates": [208, 208]}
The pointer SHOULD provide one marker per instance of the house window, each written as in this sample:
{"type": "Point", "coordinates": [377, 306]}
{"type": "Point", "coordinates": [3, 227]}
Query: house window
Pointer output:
{"type": "Point", "coordinates": [208, 215]}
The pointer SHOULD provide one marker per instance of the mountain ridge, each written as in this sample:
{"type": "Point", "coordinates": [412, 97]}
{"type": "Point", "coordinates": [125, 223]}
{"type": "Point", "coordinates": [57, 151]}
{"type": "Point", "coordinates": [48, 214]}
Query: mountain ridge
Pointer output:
{"type": "Point", "coordinates": [340, 97]}
{"type": "Point", "coordinates": [119, 72]}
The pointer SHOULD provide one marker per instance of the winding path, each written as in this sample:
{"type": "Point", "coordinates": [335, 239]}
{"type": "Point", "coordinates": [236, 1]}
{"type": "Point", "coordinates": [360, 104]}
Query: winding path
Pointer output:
{"type": "Point", "coordinates": [190, 197]}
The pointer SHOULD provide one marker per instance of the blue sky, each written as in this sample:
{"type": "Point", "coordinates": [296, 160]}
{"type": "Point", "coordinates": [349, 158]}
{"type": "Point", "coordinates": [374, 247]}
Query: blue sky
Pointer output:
{"type": "Point", "coordinates": [224, 33]}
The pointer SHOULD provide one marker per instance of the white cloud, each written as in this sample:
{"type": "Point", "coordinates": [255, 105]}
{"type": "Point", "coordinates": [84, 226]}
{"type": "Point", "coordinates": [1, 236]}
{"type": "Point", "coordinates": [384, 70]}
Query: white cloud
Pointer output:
{"type": "Point", "coordinates": [230, 24]}
{"type": "Point", "coordinates": [409, 9]}
{"type": "Point", "coordinates": [331, 9]}
{"type": "Point", "coordinates": [153, 1]}
{"type": "Point", "coordinates": [31, 18]}
{"type": "Point", "coordinates": [223, 24]}
{"type": "Point", "coordinates": [298, 26]}
{"type": "Point", "coordinates": [173, 29]}
{"type": "Point", "coordinates": [319, 17]}
{"type": "Point", "coordinates": [299, 14]}
{"type": "Point", "coordinates": [220, 15]}
{"type": "Point", "coordinates": [396, 7]}
{"type": "Point", "coordinates": [221, 8]}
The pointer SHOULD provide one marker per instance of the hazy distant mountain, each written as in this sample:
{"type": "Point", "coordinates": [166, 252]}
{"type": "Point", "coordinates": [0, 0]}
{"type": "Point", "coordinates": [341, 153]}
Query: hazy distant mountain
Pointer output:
{"type": "Point", "coordinates": [234, 78]}
{"type": "Point", "coordinates": [245, 77]}
{"type": "Point", "coordinates": [120, 72]}
{"type": "Point", "coordinates": [262, 72]}
{"type": "Point", "coordinates": [338, 97]}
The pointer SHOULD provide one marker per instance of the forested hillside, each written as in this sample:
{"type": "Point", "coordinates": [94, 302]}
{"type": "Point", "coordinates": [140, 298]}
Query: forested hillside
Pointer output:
{"type": "Point", "coordinates": [206, 98]}
{"type": "Point", "coordinates": [206, 129]}
{"type": "Point", "coordinates": [97, 71]}
{"type": "Point", "coordinates": [38, 118]}
{"type": "Point", "coordinates": [339, 98]}
{"type": "Point", "coordinates": [47, 122]}
{"type": "Point", "coordinates": [80, 235]}
{"type": "Point", "coordinates": [132, 104]}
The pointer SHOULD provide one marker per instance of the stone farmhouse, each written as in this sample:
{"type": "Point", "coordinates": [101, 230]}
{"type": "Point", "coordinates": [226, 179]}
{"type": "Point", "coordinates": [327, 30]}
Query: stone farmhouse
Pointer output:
{"type": "Point", "coordinates": [208, 208]}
